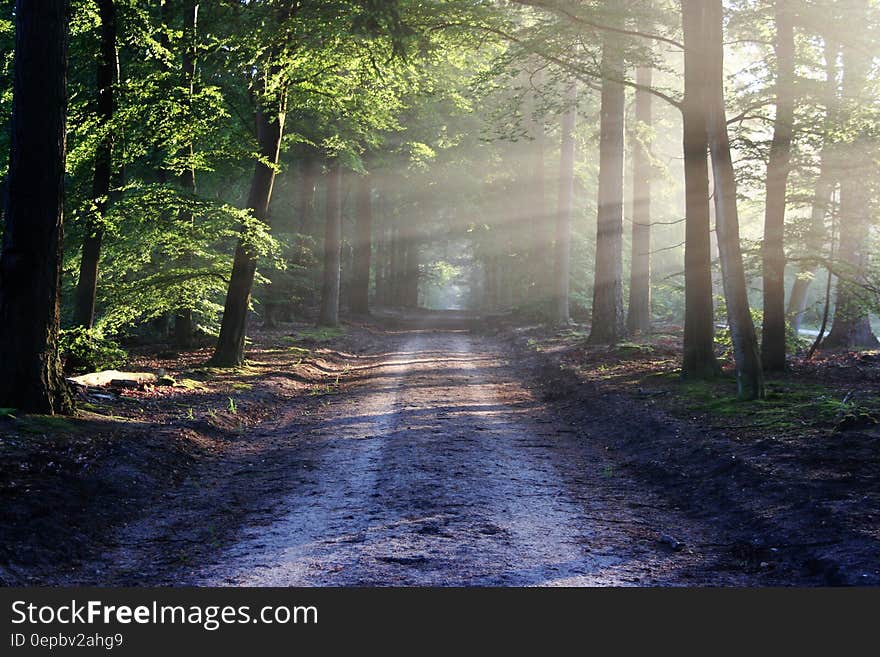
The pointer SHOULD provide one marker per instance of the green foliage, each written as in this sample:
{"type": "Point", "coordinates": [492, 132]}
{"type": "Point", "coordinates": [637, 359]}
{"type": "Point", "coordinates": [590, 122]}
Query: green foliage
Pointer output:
{"type": "Point", "coordinates": [88, 350]}
{"type": "Point", "coordinates": [789, 405]}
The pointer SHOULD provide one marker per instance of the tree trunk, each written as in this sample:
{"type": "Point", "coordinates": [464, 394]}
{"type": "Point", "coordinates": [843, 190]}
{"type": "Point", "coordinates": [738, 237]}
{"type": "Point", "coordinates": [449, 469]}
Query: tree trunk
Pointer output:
{"type": "Point", "coordinates": [750, 377]}
{"type": "Point", "coordinates": [562, 247]}
{"type": "Point", "coordinates": [382, 256]}
{"type": "Point", "coordinates": [329, 315]}
{"type": "Point", "coordinates": [608, 319]}
{"type": "Point", "coordinates": [183, 320]}
{"type": "Point", "coordinates": [639, 313]}
{"type": "Point", "coordinates": [773, 334]}
{"type": "Point", "coordinates": [31, 379]}
{"type": "Point", "coordinates": [490, 267]}
{"type": "Point", "coordinates": [363, 247]}
{"type": "Point", "coordinates": [411, 270]}
{"type": "Point", "coordinates": [851, 327]}
{"type": "Point", "coordinates": [230, 345]}
{"type": "Point", "coordinates": [87, 284]}
{"type": "Point", "coordinates": [822, 194]}
{"type": "Point", "coordinates": [822, 200]}
{"type": "Point", "coordinates": [699, 344]}
{"type": "Point", "coordinates": [305, 208]}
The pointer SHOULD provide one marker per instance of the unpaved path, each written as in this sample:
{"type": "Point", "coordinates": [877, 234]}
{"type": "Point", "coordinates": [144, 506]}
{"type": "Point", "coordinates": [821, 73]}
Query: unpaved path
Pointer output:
{"type": "Point", "coordinates": [437, 466]}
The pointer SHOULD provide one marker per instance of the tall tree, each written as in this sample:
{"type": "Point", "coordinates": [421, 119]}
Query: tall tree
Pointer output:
{"type": "Point", "coordinates": [823, 192]}
{"type": "Point", "coordinates": [699, 354]}
{"type": "Point", "coordinates": [851, 326]}
{"type": "Point", "coordinates": [773, 252]}
{"type": "Point", "coordinates": [31, 379]}
{"type": "Point", "coordinates": [363, 246]}
{"type": "Point", "coordinates": [750, 377]}
{"type": "Point", "coordinates": [562, 247]}
{"type": "Point", "coordinates": [87, 284]}
{"type": "Point", "coordinates": [269, 118]}
{"type": "Point", "coordinates": [183, 320]}
{"type": "Point", "coordinates": [638, 317]}
{"type": "Point", "coordinates": [608, 319]}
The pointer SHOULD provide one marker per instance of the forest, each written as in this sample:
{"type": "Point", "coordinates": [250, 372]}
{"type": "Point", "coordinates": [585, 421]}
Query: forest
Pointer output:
{"type": "Point", "coordinates": [440, 292]}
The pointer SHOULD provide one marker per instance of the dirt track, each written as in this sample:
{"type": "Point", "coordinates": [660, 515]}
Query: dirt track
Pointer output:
{"type": "Point", "coordinates": [446, 457]}
{"type": "Point", "coordinates": [438, 467]}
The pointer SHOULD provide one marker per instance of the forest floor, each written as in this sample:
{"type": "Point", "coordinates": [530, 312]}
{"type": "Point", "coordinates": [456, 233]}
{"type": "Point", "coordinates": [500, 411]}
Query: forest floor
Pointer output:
{"type": "Point", "coordinates": [410, 450]}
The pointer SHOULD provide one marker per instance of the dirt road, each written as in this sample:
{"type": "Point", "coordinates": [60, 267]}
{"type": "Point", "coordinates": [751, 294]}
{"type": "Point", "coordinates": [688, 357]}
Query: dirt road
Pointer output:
{"type": "Point", "coordinates": [437, 466]}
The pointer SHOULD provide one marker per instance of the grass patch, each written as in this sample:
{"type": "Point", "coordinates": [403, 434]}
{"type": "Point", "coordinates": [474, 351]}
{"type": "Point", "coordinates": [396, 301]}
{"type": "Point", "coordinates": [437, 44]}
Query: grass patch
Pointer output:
{"type": "Point", "coordinates": [317, 334]}
{"type": "Point", "coordinates": [788, 405]}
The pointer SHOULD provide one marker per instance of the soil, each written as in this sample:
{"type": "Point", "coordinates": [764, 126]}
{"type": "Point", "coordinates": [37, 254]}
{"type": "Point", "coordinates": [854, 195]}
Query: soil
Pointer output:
{"type": "Point", "coordinates": [414, 450]}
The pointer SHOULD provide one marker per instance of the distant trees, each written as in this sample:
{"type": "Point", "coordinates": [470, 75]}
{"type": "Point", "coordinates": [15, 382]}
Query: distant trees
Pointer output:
{"type": "Point", "coordinates": [363, 246]}
{"type": "Point", "coordinates": [565, 202]}
{"type": "Point", "coordinates": [329, 314]}
{"type": "Point", "coordinates": [851, 326]}
{"type": "Point", "coordinates": [638, 317]}
{"type": "Point", "coordinates": [270, 103]}
{"type": "Point", "coordinates": [31, 379]}
{"type": "Point", "coordinates": [822, 201]}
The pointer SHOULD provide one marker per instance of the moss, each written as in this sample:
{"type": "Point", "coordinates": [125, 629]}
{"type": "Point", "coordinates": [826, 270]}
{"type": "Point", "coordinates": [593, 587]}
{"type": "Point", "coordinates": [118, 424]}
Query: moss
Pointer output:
{"type": "Point", "coordinates": [190, 384]}
{"type": "Point", "coordinates": [635, 348]}
{"type": "Point", "coordinates": [317, 334]}
{"type": "Point", "coordinates": [788, 405]}
{"type": "Point", "coordinates": [46, 424]}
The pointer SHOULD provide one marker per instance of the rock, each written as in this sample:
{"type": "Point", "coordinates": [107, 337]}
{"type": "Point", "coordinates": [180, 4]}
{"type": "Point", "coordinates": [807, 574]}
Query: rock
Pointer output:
{"type": "Point", "coordinates": [671, 542]}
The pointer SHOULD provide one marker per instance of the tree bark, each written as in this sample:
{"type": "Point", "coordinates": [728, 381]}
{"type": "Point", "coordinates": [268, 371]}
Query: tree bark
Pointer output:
{"type": "Point", "coordinates": [851, 326]}
{"type": "Point", "coordinates": [699, 343]}
{"type": "Point", "coordinates": [230, 345]}
{"type": "Point", "coordinates": [773, 252]}
{"type": "Point", "coordinates": [329, 315]}
{"type": "Point", "coordinates": [639, 313]}
{"type": "Point", "coordinates": [363, 246]}
{"type": "Point", "coordinates": [31, 379]}
{"type": "Point", "coordinates": [562, 246]}
{"type": "Point", "coordinates": [608, 319]}
{"type": "Point", "coordinates": [750, 377]}
{"type": "Point", "coordinates": [87, 284]}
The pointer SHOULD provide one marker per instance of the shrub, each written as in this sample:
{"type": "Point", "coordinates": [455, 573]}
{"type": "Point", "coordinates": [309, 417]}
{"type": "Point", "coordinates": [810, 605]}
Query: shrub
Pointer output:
{"type": "Point", "coordinates": [87, 350]}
